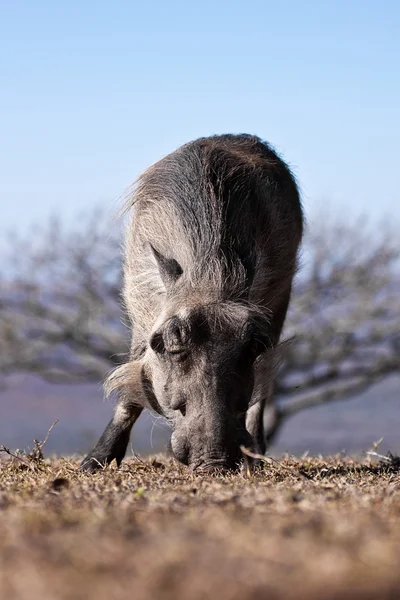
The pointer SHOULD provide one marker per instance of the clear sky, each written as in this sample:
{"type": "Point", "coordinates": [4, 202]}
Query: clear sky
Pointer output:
{"type": "Point", "coordinates": [92, 92]}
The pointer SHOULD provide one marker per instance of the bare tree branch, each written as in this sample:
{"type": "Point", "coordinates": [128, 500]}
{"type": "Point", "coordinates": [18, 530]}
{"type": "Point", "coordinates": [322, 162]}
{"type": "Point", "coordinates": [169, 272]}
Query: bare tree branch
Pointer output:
{"type": "Point", "coordinates": [60, 313]}
{"type": "Point", "coordinates": [344, 316]}
{"type": "Point", "coordinates": [59, 303]}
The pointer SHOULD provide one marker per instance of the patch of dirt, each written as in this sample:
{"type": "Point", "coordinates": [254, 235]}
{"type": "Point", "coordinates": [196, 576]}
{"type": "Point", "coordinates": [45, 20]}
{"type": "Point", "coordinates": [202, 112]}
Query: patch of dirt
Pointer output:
{"type": "Point", "coordinates": [297, 529]}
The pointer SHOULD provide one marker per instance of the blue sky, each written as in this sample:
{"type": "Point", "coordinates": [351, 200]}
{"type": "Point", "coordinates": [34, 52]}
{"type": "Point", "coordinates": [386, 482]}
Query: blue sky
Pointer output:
{"type": "Point", "coordinates": [94, 92]}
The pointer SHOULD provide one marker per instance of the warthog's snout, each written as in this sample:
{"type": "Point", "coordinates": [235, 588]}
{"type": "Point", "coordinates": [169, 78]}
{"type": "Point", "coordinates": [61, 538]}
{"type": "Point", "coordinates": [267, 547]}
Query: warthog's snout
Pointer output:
{"type": "Point", "coordinates": [217, 467]}
{"type": "Point", "coordinates": [209, 448]}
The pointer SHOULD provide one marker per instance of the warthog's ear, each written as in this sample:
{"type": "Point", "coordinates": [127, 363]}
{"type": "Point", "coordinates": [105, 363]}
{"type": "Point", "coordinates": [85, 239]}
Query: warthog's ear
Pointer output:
{"type": "Point", "coordinates": [169, 268]}
{"type": "Point", "coordinates": [133, 385]}
{"type": "Point", "coordinates": [127, 379]}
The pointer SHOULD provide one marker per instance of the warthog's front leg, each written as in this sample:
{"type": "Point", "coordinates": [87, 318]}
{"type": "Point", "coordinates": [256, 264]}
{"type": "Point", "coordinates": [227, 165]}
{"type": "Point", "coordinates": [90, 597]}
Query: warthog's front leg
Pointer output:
{"type": "Point", "coordinates": [114, 441]}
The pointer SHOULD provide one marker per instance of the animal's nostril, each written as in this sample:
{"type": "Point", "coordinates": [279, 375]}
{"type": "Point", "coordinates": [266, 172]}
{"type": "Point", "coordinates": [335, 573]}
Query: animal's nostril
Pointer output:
{"type": "Point", "coordinates": [182, 409]}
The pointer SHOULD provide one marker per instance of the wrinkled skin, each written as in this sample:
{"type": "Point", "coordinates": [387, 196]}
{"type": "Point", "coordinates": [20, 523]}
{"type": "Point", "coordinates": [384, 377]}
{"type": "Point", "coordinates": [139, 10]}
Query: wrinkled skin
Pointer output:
{"type": "Point", "coordinates": [203, 375]}
{"type": "Point", "coordinates": [198, 373]}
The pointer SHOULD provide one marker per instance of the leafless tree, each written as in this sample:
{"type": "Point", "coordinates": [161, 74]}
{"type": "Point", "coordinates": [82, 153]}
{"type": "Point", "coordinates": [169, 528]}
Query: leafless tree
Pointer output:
{"type": "Point", "coordinates": [60, 314]}
{"type": "Point", "coordinates": [345, 316]}
{"type": "Point", "coordinates": [59, 302]}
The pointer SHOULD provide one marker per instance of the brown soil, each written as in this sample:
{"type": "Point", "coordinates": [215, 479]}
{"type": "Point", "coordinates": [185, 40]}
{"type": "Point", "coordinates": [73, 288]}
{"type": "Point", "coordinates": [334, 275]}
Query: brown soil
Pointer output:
{"type": "Point", "coordinates": [312, 529]}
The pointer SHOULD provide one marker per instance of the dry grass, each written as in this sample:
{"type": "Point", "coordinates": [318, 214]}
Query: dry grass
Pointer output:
{"type": "Point", "coordinates": [311, 528]}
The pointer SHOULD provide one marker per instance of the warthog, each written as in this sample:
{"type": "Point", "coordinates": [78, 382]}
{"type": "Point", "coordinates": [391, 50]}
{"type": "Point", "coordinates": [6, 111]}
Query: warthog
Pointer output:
{"type": "Point", "coordinates": [210, 256]}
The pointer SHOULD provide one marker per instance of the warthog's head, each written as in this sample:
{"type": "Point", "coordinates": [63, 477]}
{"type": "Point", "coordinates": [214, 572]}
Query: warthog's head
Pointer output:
{"type": "Point", "coordinates": [201, 363]}
{"type": "Point", "coordinates": [198, 372]}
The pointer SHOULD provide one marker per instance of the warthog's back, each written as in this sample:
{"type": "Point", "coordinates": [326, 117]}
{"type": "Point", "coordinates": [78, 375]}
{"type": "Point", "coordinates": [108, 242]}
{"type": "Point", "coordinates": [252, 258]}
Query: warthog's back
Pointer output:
{"type": "Point", "coordinates": [227, 210]}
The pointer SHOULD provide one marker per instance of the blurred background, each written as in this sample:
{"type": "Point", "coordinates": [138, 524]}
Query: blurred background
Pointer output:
{"type": "Point", "coordinates": [92, 93]}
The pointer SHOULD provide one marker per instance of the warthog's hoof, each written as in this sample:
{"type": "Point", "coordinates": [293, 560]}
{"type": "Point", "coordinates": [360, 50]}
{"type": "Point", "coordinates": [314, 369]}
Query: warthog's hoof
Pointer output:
{"type": "Point", "coordinates": [91, 464]}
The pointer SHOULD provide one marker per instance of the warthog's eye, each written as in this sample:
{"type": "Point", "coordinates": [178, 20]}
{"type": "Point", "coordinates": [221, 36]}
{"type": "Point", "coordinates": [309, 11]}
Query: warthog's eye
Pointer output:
{"type": "Point", "coordinates": [171, 339]}
{"type": "Point", "coordinates": [178, 355]}
{"type": "Point", "coordinates": [180, 405]}
{"type": "Point", "coordinates": [260, 345]}
{"type": "Point", "coordinates": [260, 338]}
{"type": "Point", "coordinates": [157, 343]}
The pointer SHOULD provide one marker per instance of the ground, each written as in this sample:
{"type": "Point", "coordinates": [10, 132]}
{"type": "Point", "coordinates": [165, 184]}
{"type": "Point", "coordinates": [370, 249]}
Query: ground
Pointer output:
{"type": "Point", "coordinates": [293, 529]}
